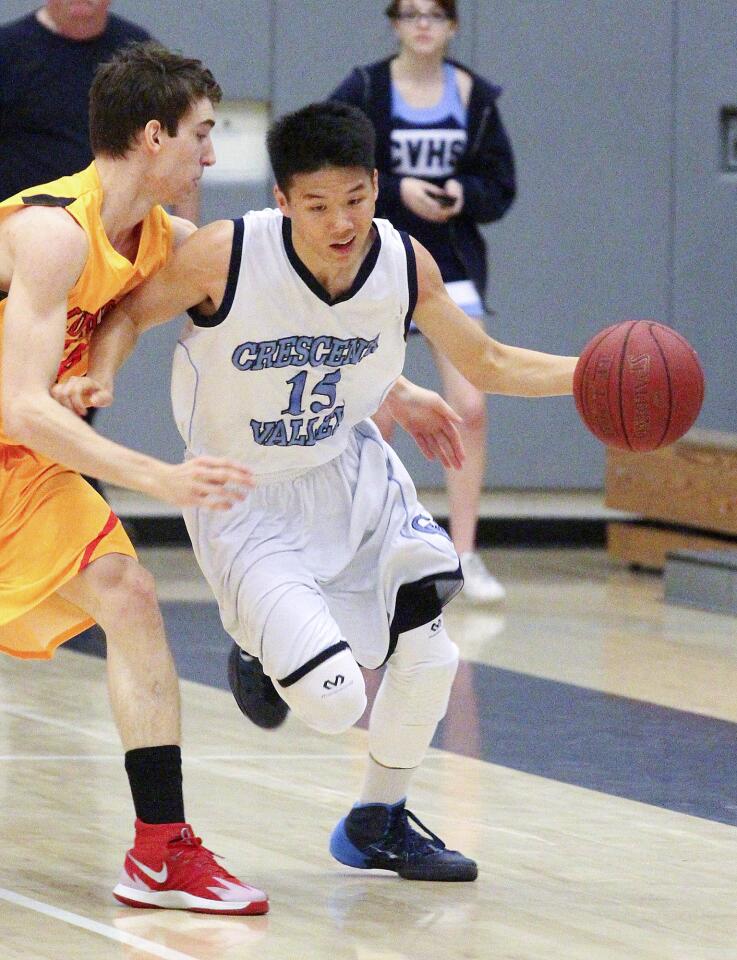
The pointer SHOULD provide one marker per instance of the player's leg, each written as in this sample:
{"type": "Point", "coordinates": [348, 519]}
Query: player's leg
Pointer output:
{"type": "Point", "coordinates": [253, 690]}
{"type": "Point", "coordinates": [310, 662]}
{"type": "Point", "coordinates": [267, 698]}
{"type": "Point", "coordinates": [168, 866]}
{"type": "Point", "coordinates": [144, 692]}
{"type": "Point", "coordinates": [412, 699]}
{"type": "Point", "coordinates": [465, 485]}
{"type": "Point", "coordinates": [325, 688]}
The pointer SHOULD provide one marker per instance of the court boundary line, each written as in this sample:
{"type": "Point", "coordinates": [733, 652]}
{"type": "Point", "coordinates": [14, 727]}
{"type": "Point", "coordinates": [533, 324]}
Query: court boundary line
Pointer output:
{"type": "Point", "coordinates": [93, 926]}
{"type": "Point", "coordinates": [21, 713]}
{"type": "Point", "coordinates": [194, 760]}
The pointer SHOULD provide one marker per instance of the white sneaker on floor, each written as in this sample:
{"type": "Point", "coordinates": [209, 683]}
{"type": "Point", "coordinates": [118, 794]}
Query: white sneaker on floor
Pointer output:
{"type": "Point", "coordinates": [479, 585]}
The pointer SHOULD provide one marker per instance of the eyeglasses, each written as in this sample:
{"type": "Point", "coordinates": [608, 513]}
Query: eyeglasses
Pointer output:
{"type": "Point", "coordinates": [413, 16]}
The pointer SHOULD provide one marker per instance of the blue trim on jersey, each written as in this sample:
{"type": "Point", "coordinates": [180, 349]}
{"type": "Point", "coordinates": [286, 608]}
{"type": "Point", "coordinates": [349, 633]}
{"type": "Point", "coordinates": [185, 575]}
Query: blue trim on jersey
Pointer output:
{"type": "Point", "coordinates": [180, 343]}
{"type": "Point", "coordinates": [311, 280]}
{"type": "Point", "coordinates": [411, 279]}
{"type": "Point", "coordinates": [370, 436]}
{"type": "Point", "coordinates": [234, 268]}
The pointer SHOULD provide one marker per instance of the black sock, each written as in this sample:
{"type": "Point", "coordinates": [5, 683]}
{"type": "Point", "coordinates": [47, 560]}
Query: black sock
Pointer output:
{"type": "Point", "coordinates": [155, 776]}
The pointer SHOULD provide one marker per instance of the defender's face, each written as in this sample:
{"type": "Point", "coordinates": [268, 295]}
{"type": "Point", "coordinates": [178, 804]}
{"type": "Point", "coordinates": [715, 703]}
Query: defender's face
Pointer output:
{"type": "Point", "coordinates": [331, 211]}
{"type": "Point", "coordinates": [182, 159]}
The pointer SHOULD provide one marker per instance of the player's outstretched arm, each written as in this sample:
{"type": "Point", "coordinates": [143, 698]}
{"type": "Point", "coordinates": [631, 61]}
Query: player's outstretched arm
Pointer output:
{"type": "Point", "coordinates": [429, 420]}
{"type": "Point", "coordinates": [488, 364]}
{"type": "Point", "coordinates": [110, 346]}
{"type": "Point", "coordinates": [34, 329]}
{"type": "Point", "coordinates": [195, 275]}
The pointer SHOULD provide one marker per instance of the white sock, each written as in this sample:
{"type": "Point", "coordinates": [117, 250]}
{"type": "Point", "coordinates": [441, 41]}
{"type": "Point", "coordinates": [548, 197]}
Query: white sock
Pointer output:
{"type": "Point", "coordinates": [385, 784]}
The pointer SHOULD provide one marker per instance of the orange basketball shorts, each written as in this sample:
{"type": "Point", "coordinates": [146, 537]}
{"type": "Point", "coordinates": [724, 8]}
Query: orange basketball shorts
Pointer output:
{"type": "Point", "coordinates": [52, 525]}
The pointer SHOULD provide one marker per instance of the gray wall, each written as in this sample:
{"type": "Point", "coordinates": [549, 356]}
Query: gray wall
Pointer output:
{"type": "Point", "coordinates": [612, 107]}
{"type": "Point", "coordinates": [704, 223]}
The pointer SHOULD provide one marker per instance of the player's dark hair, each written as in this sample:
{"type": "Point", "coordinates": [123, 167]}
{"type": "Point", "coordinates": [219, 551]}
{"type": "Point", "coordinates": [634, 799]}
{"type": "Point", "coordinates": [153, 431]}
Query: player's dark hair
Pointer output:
{"type": "Point", "coordinates": [328, 134]}
{"type": "Point", "coordinates": [142, 82]}
{"type": "Point", "coordinates": [448, 7]}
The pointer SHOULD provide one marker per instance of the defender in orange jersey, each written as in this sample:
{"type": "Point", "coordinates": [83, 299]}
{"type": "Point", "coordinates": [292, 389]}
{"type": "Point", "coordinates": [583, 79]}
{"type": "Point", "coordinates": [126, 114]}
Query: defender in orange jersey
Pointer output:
{"type": "Point", "coordinates": [68, 251]}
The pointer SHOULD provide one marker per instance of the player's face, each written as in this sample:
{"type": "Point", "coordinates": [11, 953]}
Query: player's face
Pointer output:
{"type": "Point", "coordinates": [182, 159]}
{"type": "Point", "coordinates": [423, 27]}
{"type": "Point", "coordinates": [331, 211]}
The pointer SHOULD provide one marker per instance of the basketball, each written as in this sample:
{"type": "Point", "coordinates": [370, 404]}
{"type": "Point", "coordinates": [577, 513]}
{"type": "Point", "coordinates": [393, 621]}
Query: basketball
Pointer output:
{"type": "Point", "coordinates": [638, 385]}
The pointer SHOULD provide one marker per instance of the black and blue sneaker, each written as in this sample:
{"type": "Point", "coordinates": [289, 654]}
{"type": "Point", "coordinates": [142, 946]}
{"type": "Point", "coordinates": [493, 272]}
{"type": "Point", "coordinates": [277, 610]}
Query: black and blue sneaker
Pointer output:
{"type": "Point", "coordinates": [253, 691]}
{"type": "Point", "coordinates": [379, 836]}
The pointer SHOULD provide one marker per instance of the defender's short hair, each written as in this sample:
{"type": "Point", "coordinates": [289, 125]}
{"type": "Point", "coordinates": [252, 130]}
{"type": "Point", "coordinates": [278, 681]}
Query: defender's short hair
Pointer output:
{"type": "Point", "coordinates": [142, 82]}
{"type": "Point", "coordinates": [328, 134]}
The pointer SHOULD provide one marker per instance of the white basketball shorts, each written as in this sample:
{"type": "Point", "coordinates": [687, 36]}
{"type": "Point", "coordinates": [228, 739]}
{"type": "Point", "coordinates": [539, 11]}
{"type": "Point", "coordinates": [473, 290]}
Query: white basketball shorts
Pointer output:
{"type": "Point", "coordinates": [303, 562]}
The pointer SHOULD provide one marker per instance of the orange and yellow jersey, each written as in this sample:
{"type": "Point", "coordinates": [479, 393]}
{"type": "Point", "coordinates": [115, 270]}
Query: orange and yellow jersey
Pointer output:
{"type": "Point", "coordinates": [107, 275]}
{"type": "Point", "coordinates": [53, 524]}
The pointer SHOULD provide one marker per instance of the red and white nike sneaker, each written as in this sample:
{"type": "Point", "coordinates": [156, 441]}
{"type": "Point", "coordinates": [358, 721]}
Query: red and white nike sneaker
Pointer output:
{"type": "Point", "coordinates": [169, 867]}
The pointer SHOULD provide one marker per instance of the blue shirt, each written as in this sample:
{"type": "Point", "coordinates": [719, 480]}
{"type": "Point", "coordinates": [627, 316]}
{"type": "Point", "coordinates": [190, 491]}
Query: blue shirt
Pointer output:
{"type": "Point", "coordinates": [426, 142]}
{"type": "Point", "coordinates": [45, 81]}
{"type": "Point", "coordinates": [485, 170]}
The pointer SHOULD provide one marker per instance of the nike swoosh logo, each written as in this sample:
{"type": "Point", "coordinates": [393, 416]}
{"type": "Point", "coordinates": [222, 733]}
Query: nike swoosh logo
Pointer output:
{"type": "Point", "coordinates": [157, 876]}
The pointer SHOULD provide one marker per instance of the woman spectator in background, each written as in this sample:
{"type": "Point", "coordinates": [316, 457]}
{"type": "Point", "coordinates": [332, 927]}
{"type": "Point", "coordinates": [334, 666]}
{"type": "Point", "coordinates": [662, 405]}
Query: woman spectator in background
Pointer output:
{"type": "Point", "coordinates": [445, 165]}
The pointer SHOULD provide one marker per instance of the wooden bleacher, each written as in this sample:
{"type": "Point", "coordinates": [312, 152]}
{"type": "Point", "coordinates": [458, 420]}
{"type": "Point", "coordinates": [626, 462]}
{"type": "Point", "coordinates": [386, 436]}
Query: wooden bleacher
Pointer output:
{"type": "Point", "coordinates": [682, 497]}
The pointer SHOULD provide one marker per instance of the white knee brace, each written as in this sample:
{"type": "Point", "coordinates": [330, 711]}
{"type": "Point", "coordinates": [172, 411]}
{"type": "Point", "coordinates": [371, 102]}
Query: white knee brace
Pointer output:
{"type": "Point", "coordinates": [413, 695]}
{"type": "Point", "coordinates": [329, 695]}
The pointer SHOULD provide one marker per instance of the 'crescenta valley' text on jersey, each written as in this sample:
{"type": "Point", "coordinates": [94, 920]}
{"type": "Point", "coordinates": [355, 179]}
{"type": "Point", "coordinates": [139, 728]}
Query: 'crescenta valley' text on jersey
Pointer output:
{"type": "Point", "coordinates": [281, 373]}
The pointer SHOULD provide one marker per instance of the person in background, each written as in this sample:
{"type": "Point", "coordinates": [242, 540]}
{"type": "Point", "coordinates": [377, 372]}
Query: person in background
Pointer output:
{"type": "Point", "coordinates": [47, 61]}
{"type": "Point", "coordinates": [69, 250]}
{"type": "Point", "coordinates": [445, 165]}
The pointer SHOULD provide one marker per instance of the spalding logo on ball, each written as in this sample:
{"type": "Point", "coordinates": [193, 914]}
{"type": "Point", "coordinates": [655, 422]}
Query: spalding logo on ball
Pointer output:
{"type": "Point", "coordinates": [638, 385]}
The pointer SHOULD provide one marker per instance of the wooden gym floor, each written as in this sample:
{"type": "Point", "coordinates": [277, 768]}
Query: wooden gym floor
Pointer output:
{"type": "Point", "coordinates": [587, 763]}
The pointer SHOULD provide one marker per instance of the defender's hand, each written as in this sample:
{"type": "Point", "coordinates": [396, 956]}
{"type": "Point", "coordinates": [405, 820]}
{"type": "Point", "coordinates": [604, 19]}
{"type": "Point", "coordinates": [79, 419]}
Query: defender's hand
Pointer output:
{"type": "Point", "coordinates": [212, 483]}
{"type": "Point", "coordinates": [78, 394]}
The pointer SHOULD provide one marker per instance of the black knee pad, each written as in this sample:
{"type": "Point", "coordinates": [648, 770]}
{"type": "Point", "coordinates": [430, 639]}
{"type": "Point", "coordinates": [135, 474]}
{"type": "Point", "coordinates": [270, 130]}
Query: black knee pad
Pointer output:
{"type": "Point", "coordinates": [416, 604]}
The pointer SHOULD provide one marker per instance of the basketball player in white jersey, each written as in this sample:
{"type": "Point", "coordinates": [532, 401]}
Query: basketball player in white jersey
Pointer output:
{"type": "Point", "coordinates": [331, 562]}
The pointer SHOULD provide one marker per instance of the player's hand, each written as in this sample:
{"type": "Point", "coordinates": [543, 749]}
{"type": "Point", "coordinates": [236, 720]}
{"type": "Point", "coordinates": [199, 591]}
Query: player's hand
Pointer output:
{"type": "Point", "coordinates": [421, 198]}
{"type": "Point", "coordinates": [431, 423]}
{"type": "Point", "coordinates": [212, 483]}
{"type": "Point", "coordinates": [78, 394]}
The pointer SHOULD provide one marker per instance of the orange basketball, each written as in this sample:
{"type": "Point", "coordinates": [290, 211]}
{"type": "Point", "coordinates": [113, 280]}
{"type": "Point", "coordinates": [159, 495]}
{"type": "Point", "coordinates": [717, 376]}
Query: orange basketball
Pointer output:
{"type": "Point", "coordinates": [638, 385]}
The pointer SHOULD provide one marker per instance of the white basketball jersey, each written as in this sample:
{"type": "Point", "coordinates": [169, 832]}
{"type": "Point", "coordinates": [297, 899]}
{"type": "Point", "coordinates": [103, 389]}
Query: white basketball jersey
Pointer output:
{"type": "Point", "coordinates": [280, 374]}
